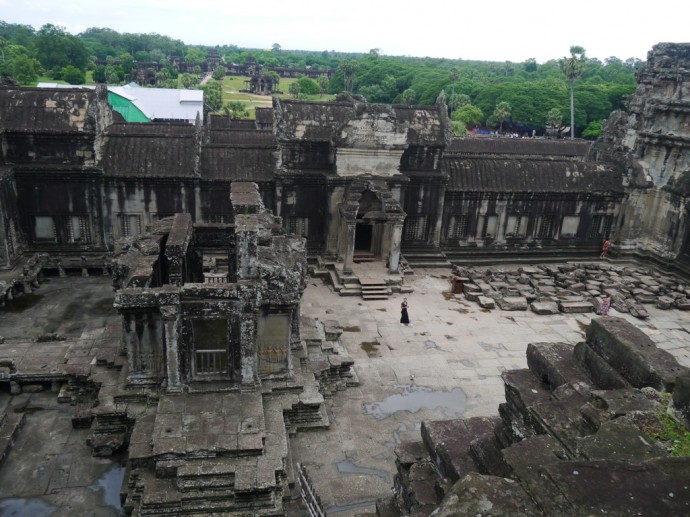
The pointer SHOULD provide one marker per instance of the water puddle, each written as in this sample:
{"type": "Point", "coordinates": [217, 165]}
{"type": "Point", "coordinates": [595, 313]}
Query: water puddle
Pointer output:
{"type": "Point", "coordinates": [22, 302]}
{"type": "Point", "coordinates": [20, 507]}
{"type": "Point", "coordinates": [352, 506]}
{"type": "Point", "coordinates": [430, 344]}
{"type": "Point", "coordinates": [371, 348]}
{"type": "Point", "coordinates": [347, 467]}
{"type": "Point", "coordinates": [414, 398]}
{"type": "Point", "coordinates": [396, 436]}
{"type": "Point", "coordinates": [110, 483]}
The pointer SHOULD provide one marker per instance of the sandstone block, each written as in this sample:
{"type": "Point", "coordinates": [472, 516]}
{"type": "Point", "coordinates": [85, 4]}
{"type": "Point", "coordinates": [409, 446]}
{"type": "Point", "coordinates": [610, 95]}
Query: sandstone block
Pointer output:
{"type": "Point", "coordinates": [512, 303]}
{"type": "Point", "coordinates": [544, 308]}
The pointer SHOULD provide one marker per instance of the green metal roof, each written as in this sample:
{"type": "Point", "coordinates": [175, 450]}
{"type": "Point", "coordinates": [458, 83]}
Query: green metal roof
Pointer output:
{"type": "Point", "coordinates": [126, 108]}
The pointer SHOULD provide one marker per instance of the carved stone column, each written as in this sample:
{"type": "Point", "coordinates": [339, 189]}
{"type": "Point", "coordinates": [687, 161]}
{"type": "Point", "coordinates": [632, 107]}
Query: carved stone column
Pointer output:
{"type": "Point", "coordinates": [394, 253]}
{"type": "Point", "coordinates": [349, 248]}
{"type": "Point", "coordinates": [248, 359]}
{"type": "Point", "coordinates": [171, 325]}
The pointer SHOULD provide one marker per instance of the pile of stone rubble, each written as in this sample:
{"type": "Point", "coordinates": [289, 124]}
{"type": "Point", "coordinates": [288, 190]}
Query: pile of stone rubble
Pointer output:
{"type": "Point", "coordinates": [554, 288]}
{"type": "Point", "coordinates": [578, 435]}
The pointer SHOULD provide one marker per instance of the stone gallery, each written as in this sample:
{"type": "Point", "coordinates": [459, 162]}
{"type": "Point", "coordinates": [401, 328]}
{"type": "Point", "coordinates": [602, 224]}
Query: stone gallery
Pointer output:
{"type": "Point", "coordinates": [209, 232]}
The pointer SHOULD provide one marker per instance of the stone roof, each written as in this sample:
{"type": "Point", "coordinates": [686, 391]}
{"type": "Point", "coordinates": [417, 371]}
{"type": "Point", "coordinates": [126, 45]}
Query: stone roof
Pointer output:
{"type": "Point", "coordinates": [357, 124]}
{"type": "Point", "coordinates": [237, 163]}
{"type": "Point", "coordinates": [506, 175]}
{"type": "Point", "coordinates": [522, 146]}
{"type": "Point", "coordinates": [149, 150]}
{"type": "Point", "coordinates": [241, 137]}
{"type": "Point", "coordinates": [45, 110]}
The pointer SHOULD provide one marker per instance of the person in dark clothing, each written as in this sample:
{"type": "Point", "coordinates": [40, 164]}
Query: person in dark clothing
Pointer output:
{"type": "Point", "coordinates": [404, 317]}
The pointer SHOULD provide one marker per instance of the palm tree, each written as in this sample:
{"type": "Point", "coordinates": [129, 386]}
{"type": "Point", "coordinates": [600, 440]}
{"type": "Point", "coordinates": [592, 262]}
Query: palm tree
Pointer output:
{"type": "Point", "coordinates": [502, 113]}
{"type": "Point", "coordinates": [572, 68]}
{"type": "Point", "coordinates": [349, 68]}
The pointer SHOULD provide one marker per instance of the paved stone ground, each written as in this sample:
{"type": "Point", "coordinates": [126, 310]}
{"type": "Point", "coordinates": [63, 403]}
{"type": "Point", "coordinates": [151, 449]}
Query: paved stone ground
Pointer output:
{"type": "Point", "coordinates": [50, 470]}
{"type": "Point", "coordinates": [446, 365]}
{"type": "Point", "coordinates": [408, 374]}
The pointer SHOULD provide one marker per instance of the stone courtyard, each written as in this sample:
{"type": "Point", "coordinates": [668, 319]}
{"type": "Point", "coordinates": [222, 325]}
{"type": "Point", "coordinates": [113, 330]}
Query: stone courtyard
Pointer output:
{"type": "Point", "coordinates": [446, 365]}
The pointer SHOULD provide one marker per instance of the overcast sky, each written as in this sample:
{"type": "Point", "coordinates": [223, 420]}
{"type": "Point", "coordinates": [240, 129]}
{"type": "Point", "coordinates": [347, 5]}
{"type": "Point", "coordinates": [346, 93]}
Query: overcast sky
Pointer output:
{"type": "Point", "coordinates": [492, 30]}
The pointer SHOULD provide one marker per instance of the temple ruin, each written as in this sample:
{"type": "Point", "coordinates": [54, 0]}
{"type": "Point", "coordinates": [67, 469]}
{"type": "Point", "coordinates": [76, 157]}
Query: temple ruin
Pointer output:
{"type": "Point", "coordinates": [211, 231]}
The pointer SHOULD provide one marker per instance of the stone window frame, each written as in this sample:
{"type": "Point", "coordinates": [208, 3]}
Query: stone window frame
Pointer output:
{"type": "Point", "coordinates": [123, 223]}
{"type": "Point", "coordinates": [483, 226]}
{"type": "Point", "coordinates": [296, 225]}
{"type": "Point", "coordinates": [54, 237]}
{"type": "Point", "coordinates": [601, 226]}
{"type": "Point", "coordinates": [544, 227]}
{"type": "Point", "coordinates": [415, 228]}
{"type": "Point", "coordinates": [458, 227]}
{"type": "Point", "coordinates": [194, 370]}
{"type": "Point", "coordinates": [84, 223]}
{"type": "Point", "coordinates": [519, 229]}
{"type": "Point", "coordinates": [574, 234]}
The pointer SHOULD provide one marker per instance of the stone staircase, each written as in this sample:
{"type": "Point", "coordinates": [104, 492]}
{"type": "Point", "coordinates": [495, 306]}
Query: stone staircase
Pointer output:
{"type": "Point", "coordinates": [426, 257]}
{"type": "Point", "coordinates": [374, 289]}
{"type": "Point", "coordinates": [569, 440]}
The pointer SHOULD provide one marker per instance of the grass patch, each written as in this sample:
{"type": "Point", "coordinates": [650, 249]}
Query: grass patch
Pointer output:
{"type": "Point", "coordinates": [668, 431]}
{"type": "Point", "coordinates": [233, 84]}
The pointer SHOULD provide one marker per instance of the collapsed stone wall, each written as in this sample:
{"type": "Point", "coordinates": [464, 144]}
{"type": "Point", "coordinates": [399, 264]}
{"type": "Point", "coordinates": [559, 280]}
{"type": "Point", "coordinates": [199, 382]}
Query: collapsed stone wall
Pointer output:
{"type": "Point", "coordinates": [581, 433]}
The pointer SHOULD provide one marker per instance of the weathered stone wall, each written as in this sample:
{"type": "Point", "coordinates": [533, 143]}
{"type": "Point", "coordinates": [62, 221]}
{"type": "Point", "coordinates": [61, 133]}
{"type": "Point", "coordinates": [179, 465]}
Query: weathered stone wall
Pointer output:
{"type": "Point", "coordinates": [651, 145]}
{"type": "Point", "coordinates": [61, 211]}
{"type": "Point", "coordinates": [11, 241]}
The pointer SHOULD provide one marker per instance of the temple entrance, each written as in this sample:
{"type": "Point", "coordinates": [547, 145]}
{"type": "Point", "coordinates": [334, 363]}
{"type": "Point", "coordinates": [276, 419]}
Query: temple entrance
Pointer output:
{"type": "Point", "coordinates": [363, 236]}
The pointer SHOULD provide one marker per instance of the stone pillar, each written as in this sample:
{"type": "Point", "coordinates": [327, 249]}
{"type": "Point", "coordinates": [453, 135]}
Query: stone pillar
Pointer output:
{"type": "Point", "coordinates": [349, 248]}
{"type": "Point", "coordinates": [26, 281]}
{"type": "Point", "coordinates": [128, 343]}
{"type": "Point", "coordinates": [84, 268]}
{"type": "Point", "coordinates": [248, 359]}
{"type": "Point", "coordinates": [394, 253]}
{"type": "Point", "coordinates": [171, 326]}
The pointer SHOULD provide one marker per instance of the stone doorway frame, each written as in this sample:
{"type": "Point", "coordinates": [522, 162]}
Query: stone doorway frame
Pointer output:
{"type": "Point", "coordinates": [387, 224]}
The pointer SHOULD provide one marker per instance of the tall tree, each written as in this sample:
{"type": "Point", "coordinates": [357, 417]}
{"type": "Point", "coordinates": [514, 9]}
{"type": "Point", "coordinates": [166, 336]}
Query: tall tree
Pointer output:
{"type": "Point", "coordinates": [213, 95]}
{"type": "Point", "coordinates": [502, 113]}
{"type": "Point", "coordinates": [323, 83]}
{"type": "Point", "coordinates": [408, 96]}
{"type": "Point", "coordinates": [572, 68]}
{"type": "Point", "coordinates": [349, 68]}
{"type": "Point", "coordinates": [55, 48]}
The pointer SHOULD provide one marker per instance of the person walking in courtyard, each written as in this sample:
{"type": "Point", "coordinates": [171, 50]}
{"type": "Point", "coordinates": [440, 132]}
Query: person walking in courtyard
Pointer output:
{"type": "Point", "coordinates": [404, 317]}
{"type": "Point", "coordinates": [604, 249]}
{"type": "Point", "coordinates": [605, 306]}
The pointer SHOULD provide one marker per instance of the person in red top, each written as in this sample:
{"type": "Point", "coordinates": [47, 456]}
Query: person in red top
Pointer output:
{"type": "Point", "coordinates": [604, 249]}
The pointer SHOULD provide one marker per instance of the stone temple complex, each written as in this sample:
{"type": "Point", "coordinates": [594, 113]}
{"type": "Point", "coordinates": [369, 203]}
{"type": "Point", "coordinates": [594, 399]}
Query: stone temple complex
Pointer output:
{"type": "Point", "coordinates": [209, 233]}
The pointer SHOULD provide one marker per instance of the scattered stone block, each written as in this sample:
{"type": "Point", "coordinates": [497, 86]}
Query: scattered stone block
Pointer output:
{"type": "Point", "coordinates": [683, 304]}
{"type": "Point", "coordinates": [544, 308]}
{"type": "Point", "coordinates": [32, 388]}
{"type": "Point", "coordinates": [633, 354]}
{"type": "Point", "coordinates": [512, 303]}
{"type": "Point", "coordinates": [575, 306]}
{"type": "Point", "coordinates": [664, 303]}
{"type": "Point", "coordinates": [486, 302]}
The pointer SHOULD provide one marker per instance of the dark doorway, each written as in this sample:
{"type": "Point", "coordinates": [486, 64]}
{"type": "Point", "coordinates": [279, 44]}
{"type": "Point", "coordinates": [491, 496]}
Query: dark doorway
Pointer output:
{"type": "Point", "coordinates": [363, 237]}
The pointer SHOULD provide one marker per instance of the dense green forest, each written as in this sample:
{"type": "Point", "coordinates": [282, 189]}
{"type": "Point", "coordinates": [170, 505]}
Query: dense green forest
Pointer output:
{"type": "Point", "coordinates": [514, 96]}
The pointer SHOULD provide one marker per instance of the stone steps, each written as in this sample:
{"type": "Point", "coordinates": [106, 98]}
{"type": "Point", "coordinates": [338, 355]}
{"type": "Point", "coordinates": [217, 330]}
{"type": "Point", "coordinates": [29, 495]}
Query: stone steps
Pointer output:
{"type": "Point", "coordinates": [10, 425]}
{"type": "Point", "coordinates": [374, 290]}
{"type": "Point", "coordinates": [557, 422]}
{"type": "Point", "coordinates": [425, 258]}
